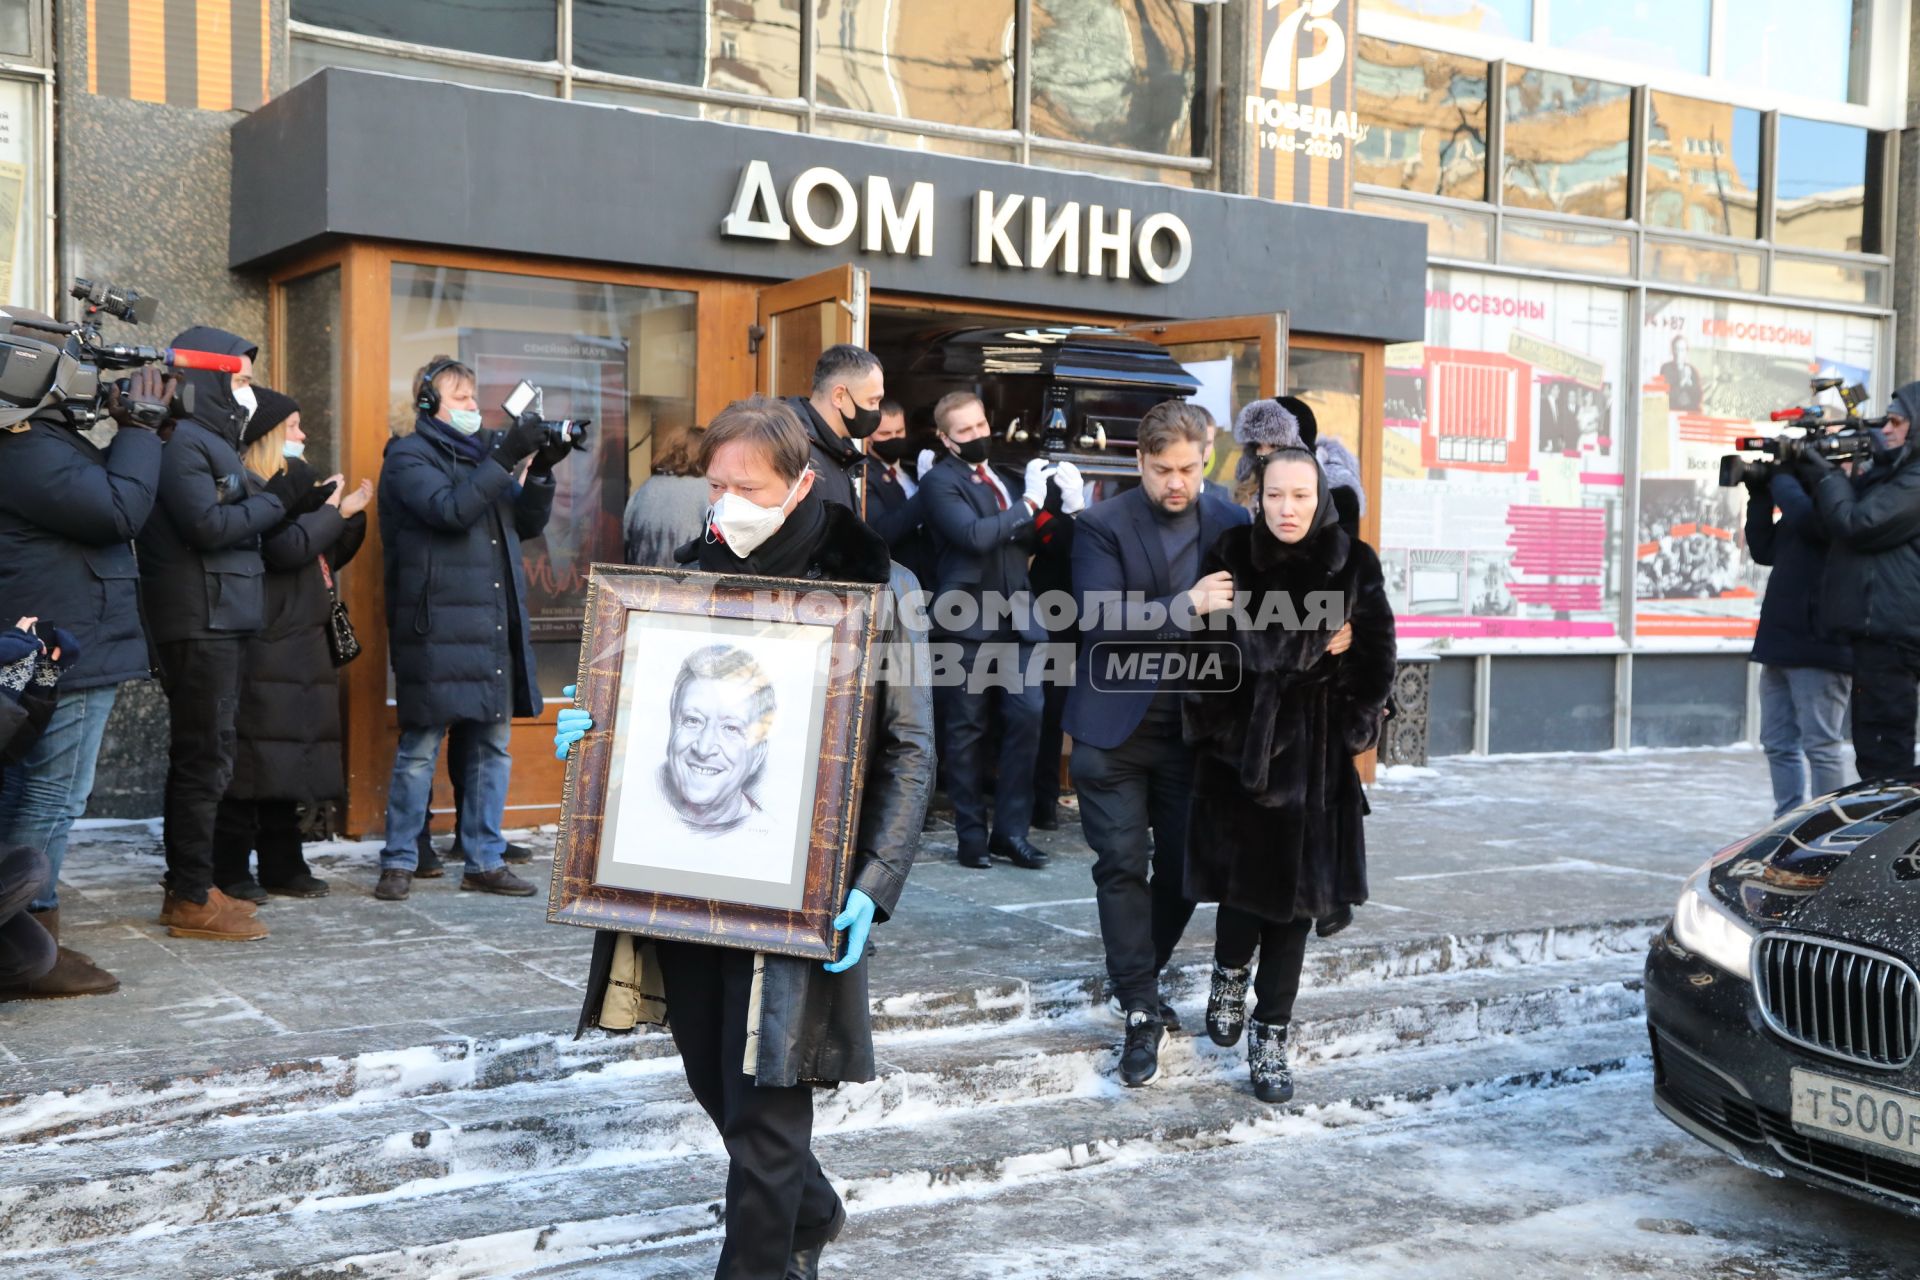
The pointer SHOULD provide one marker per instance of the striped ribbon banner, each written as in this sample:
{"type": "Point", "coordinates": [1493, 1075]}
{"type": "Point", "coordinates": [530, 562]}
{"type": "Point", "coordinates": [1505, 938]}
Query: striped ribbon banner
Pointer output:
{"type": "Point", "coordinates": [207, 54]}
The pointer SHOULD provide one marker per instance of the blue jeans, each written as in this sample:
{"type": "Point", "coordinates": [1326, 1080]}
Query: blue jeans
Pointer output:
{"type": "Point", "coordinates": [1803, 712]}
{"type": "Point", "coordinates": [486, 768]}
{"type": "Point", "coordinates": [43, 794]}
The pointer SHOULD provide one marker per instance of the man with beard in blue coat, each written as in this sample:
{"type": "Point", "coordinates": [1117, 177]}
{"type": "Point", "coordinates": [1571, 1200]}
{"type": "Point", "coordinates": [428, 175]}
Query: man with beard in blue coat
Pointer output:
{"type": "Point", "coordinates": [451, 522]}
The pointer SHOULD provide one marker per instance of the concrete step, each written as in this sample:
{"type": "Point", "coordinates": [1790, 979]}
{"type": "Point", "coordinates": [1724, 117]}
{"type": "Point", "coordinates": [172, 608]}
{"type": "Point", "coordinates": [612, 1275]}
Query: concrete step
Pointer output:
{"type": "Point", "coordinates": [169, 1095]}
{"type": "Point", "coordinates": [624, 1203]}
{"type": "Point", "coordinates": [637, 1109]}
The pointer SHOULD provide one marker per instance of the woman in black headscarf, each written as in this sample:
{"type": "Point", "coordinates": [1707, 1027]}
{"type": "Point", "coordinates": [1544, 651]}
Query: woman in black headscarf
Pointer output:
{"type": "Point", "coordinates": [1275, 835]}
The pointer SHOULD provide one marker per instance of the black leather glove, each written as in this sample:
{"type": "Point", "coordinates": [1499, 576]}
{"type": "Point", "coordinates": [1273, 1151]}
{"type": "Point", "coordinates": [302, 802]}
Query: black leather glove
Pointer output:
{"type": "Point", "coordinates": [314, 498]}
{"type": "Point", "coordinates": [1811, 467]}
{"type": "Point", "coordinates": [552, 452]}
{"type": "Point", "coordinates": [285, 487]}
{"type": "Point", "coordinates": [521, 440]}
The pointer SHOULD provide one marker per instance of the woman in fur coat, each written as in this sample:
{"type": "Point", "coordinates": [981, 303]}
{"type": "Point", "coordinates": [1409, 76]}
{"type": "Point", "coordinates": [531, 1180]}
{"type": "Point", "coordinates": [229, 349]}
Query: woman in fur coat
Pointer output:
{"type": "Point", "coordinates": [1275, 830]}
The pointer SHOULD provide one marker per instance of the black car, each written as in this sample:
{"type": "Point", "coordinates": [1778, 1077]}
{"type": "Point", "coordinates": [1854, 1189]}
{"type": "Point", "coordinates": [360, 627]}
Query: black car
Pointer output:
{"type": "Point", "coordinates": [1782, 999]}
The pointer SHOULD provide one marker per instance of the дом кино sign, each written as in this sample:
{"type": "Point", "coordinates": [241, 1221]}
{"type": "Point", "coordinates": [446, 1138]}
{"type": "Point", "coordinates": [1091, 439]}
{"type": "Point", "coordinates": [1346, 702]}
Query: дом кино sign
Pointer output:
{"type": "Point", "coordinates": [823, 207]}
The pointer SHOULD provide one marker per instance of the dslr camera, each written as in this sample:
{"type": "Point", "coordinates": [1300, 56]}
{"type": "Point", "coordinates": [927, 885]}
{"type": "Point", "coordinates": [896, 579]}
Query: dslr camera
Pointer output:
{"type": "Point", "coordinates": [68, 372]}
{"type": "Point", "coordinates": [527, 402]}
{"type": "Point", "coordinates": [1837, 439]}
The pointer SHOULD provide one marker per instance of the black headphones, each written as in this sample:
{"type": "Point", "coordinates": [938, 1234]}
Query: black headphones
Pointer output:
{"type": "Point", "coordinates": [428, 401]}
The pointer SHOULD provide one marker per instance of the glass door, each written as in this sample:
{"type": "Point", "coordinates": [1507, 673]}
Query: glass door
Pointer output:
{"type": "Point", "coordinates": [1238, 359]}
{"type": "Point", "coordinates": [799, 319]}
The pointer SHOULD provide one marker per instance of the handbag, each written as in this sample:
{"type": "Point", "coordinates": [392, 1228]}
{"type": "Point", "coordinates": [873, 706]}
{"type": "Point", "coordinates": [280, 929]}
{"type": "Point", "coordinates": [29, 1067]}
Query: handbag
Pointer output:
{"type": "Point", "coordinates": [342, 644]}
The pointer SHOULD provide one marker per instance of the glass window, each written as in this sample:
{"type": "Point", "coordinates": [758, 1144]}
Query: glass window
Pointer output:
{"type": "Point", "coordinates": [307, 365]}
{"type": "Point", "coordinates": [1670, 34]}
{"type": "Point", "coordinates": [911, 141]}
{"type": "Point", "coordinates": [1567, 139]}
{"type": "Point", "coordinates": [749, 46]}
{"type": "Point", "coordinates": [949, 63]}
{"type": "Point", "coordinates": [615, 95]}
{"type": "Point", "coordinates": [1120, 73]}
{"type": "Point", "coordinates": [22, 230]}
{"type": "Point", "coordinates": [1427, 120]}
{"type": "Point", "coordinates": [1332, 383]}
{"type": "Point", "coordinates": [1490, 17]}
{"type": "Point", "coordinates": [1862, 282]}
{"type": "Point", "coordinates": [1703, 167]}
{"type": "Point", "coordinates": [16, 28]}
{"type": "Point", "coordinates": [1557, 247]}
{"type": "Point", "coordinates": [1821, 186]}
{"type": "Point", "coordinates": [309, 56]}
{"type": "Point", "coordinates": [1451, 233]}
{"type": "Point", "coordinates": [1715, 266]}
{"type": "Point", "coordinates": [528, 29]}
{"type": "Point", "coordinates": [1815, 48]}
{"type": "Point", "coordinates": [618, 354]}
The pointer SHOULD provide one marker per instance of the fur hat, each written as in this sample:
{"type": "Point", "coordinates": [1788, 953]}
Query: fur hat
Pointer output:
{"type": "Point", "coordinates": [1267, 422]}
{"type": "Point", "coordinates": [1343, 470]}
{"type": "Point", "coordinates": [1303, 415]}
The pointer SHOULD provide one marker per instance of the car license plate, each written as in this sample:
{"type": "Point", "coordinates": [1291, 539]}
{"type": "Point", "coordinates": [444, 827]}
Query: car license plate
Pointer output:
{"type": "Point", "coordinates": [1887, 1119]}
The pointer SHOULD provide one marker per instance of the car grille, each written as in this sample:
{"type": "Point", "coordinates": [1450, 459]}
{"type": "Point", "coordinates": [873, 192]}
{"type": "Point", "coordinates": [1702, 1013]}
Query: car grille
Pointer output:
{"type": "Point", "coordinates": [1837, 999]}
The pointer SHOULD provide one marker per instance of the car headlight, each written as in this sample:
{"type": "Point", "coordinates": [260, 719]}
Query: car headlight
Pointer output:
{"type": "Point", "coordinates": [1703, 925]}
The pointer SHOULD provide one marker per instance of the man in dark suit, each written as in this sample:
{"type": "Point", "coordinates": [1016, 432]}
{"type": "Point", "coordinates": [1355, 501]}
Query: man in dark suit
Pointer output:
{"type": "Point", "coordinates": [894, 507]}
{"type": "Point", "coordinates": [1684, 388]}
{"type": "Point", "coordinates": [983, 531]}
{"type": "Point", "coordinates": [1131, 768]}
{"type": "Point", "coordinates": [843, 406]}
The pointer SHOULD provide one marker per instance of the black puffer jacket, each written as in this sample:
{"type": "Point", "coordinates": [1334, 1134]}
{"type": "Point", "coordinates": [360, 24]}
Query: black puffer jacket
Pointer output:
{"type": "Point", "coordinates": [200, 567]}
{"type": "Point", "coordinates": [1275, 821]}
{"type": "Point", "coordinates": [289, 721]}
{"type": "Point", "coordinates": [68, 516]}
{"type": "Point", "coordinates": [814, 1026]}
{"type": "Point", "coordinates": [1872, 585]}
{"type": "Point", "coordinates": [450, 531]}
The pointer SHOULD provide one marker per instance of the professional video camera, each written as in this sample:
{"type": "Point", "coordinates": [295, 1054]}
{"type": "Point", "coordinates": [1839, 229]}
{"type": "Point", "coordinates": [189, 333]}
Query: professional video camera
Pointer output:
{"type": "Point", "coordinates": [66, 375]}
{"type": "Point", "coordinates": [1837, 439]}
{"type": "Point", "coordinates": [527, 401]}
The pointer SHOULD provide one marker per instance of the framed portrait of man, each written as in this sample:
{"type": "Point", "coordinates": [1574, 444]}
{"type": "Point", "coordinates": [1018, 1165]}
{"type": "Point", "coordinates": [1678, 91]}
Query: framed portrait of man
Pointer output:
{"type": "Point", "coordinates": [715, 798]}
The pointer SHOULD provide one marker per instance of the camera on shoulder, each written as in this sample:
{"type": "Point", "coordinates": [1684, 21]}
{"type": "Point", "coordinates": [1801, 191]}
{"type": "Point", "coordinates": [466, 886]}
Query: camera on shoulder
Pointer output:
{"type": "Point", "coordinates": [1838, 440]}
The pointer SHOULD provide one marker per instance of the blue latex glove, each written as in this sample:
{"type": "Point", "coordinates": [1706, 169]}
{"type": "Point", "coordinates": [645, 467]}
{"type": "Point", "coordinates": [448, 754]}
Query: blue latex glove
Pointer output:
{"type": "Point", "coordinates": [857, 920]}
{"type": "Point", "coordinates": [573, 726]}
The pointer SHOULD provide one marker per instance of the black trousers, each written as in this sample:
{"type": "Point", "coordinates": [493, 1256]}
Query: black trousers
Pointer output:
{"type": "Point", "coordinates": [1886, 698]}
{"type": "Point", "coordinates": [270, 826]}
{"type": "Point", "coordinates": [1283, 950]}
{"type": "Point", "coordinates": [202, 683]}
{"type": "Point", "coordinates": [1046, 760]}
{"type": "Point", "coordinates": [1144, 783]}
{"type": "Point", "coordinates": [778, 1200]}
{"type": "Point", "coordinates": [997, 670]}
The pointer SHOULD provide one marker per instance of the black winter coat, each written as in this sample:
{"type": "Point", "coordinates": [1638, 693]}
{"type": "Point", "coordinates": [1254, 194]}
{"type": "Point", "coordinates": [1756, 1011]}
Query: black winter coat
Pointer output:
{"type": "Point", "coordinates": [289, 721]}
{"type": "Point", "coordinates": [835, 460]}
{"type": "Point", "coordinates": [815, 1026]}
{"type": "Point", "coordinates": [1275, 825]}
{"type": "Point", "coordinates": [68, 516]}
{"type": "Point", "coordinates": [450, 531]}
{"type": "Point", "coordinates": [200, 569]}
{"type": "Point", "coordinates": [1791, 633]}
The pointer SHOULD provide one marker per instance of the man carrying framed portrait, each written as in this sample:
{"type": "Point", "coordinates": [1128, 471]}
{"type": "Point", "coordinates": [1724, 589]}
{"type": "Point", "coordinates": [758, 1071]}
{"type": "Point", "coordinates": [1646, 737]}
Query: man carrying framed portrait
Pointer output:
{"type": "Point", "coordinates": [706, 726]}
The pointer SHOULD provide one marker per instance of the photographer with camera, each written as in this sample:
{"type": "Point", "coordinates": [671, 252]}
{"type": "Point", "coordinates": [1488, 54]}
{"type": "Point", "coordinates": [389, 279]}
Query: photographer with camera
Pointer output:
{"type": "Point", "coordinates": [203, 584]}
{"type": "Point", "coordinates": [451, 522]}
{"type": "Point", "coordinates": [1805, 675]}
{"type": "Point", "coordinates": [1871, 593]}
{"type": "Point", "coordinates": [72, 498]}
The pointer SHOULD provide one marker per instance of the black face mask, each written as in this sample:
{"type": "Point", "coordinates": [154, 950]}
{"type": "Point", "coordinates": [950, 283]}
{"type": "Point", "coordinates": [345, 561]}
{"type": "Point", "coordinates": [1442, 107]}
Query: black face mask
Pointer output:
{"type": "Point", "coordinates": [896, 450]}
{"type": "Point", "coordinates": [974, 451]}
{"type": "Point", "coordinates": [863, 423]}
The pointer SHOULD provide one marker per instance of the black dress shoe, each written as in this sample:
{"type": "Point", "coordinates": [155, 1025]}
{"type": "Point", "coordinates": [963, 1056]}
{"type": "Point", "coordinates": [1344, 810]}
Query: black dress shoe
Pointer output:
{"type": "Point", "coordinates": [517, 853]}
{"type": "Point", "coordinates": [304, 885]}
{"type": "Point", "coordinates": [247, 890]}
{"type": "Point", "coordinates": [804, 1264]}
{"type": "Point", "coordinates": [975, 858]}
{"type": "Point", "coordinates": [1017, 850]}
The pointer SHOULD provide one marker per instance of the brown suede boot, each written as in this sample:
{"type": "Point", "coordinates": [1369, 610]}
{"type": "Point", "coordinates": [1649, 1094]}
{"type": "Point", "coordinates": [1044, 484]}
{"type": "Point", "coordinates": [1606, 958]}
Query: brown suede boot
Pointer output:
{"type": "Point", "coordinates": [221, 919]}
{"type": "Point", "coordinates": [50, 921]}
{"type": "Point", "coordinates": [72, 975]}
{"type": "Point", "coordinates": [169, 904]}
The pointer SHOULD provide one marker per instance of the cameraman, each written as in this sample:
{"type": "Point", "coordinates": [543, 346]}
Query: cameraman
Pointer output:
{"type": "Point", "coordinates": [203, 584]}
{"type": "Point", "coordinates": [1871, 594]}
{"type": "Point", "coordinates": [71, 502]}
{"type": "Point", "coordinates": [451, 522]}
{"type": "Point", "coordinates": [1805, 676]}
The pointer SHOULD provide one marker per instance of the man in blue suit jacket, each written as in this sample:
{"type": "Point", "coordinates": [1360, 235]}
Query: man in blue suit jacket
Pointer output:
{"type": "Point", "coordinates": [1130, 766]}
{"type": "Point", "coordinates": [983, 533]}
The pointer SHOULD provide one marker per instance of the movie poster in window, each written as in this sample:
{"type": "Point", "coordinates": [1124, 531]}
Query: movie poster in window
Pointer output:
{"type": "Point", "coordinates": [1502, 480]}
{"type": "Point", "coordinates": [1711, 372]}
{"type": "Point", "coordinates": [583, 376]}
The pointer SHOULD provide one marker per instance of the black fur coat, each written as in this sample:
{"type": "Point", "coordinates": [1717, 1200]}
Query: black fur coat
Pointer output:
{"type": "Point", "coordinates": [1277, 806]}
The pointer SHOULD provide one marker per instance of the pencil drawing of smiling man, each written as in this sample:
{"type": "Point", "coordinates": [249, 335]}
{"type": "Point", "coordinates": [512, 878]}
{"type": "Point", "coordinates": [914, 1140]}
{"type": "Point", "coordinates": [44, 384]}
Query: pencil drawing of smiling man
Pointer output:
{"type": "Point", "coordinates": [719, 719]}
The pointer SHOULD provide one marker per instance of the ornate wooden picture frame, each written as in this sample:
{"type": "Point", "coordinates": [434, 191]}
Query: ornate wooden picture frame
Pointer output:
{"type": "Point", "coordinates": [717, 797]}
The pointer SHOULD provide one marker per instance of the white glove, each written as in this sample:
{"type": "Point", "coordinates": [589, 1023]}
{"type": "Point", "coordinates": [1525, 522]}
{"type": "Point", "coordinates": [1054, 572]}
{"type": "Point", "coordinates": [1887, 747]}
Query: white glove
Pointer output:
{"type": "Point", "coordinates": [923, 463]}
{"type": "Point", "coordinates": [1039, 471]}
{"type": "Point", "coordinates": [1073, 489]}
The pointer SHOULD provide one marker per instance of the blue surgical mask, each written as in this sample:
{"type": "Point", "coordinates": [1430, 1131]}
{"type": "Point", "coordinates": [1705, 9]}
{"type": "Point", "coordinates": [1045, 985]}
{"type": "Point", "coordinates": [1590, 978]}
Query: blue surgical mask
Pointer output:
{"type": "Point", "coordinates": [294, 449]}
{"type": "Point", "coordinates": [465, 421]}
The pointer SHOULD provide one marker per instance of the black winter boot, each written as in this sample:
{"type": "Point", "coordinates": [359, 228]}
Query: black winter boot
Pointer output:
{"type": "Point", "coordinates": [1227, 1003]}
{"type": "Point", "coordinates": [1267, 1061]}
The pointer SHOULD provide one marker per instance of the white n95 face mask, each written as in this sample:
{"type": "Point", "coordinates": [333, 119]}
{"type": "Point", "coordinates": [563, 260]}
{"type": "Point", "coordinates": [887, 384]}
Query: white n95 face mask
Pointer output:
{"type": "Point", "coordinates": [745, 525]}
{"type": "Point", "coordinates": [244, 397]}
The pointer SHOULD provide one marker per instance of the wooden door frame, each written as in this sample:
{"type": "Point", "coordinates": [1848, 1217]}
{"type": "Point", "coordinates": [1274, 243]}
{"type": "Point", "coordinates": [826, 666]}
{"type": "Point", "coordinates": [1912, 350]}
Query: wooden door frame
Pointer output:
{"type": "Point", "coordinates": [1373, 416]}
{"type": "Point", "coordinates": [848, 286]}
